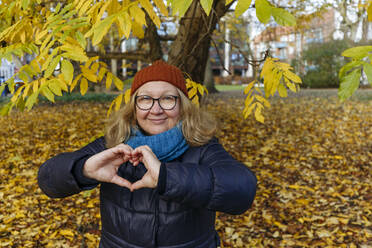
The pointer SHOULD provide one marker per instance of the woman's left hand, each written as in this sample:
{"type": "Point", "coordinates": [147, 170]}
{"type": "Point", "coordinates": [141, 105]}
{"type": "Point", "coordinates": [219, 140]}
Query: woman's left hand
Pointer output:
{"type": "Point", "coordinates": [145, 155]}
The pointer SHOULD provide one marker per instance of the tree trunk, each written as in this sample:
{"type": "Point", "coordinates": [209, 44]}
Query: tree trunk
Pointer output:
{"type": "Point", "coordinates": [365, 29]}
{"type": "Point", "coordinates": [190, 50]}
{"type": "Point", "coordinates": [208, 79]}
{"type": "Point", "coordinates": [152, 37]}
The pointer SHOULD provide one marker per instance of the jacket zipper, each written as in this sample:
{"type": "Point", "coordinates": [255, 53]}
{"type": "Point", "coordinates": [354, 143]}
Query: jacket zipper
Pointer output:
{"type": "Point", "coordinates": [156, 221]}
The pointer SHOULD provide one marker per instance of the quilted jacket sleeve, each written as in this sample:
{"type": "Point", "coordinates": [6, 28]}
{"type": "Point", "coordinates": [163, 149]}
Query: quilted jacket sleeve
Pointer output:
{"type": "Point", "coordinates": [56, 178]}
{"type": "Point", "coordinates": [218, 182]}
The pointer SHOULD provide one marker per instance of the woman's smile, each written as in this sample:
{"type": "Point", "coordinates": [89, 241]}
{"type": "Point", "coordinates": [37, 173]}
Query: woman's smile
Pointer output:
{"type": "Point", "coordinates": [158, 121]}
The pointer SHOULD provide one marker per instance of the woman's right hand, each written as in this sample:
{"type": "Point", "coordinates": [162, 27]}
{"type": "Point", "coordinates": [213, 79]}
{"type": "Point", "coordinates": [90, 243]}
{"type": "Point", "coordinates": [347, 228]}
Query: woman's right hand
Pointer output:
{"type": "Point", "coordinates": [103, 166]}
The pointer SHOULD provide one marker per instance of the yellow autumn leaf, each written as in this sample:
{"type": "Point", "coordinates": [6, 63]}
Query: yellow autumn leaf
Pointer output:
{"type": "Point", "coordinates": [89, 74]}
{"type": "Point", "coordinates": [67, 70]}
{"type": "Point", "coordinates": [74, 82]}
{"type": "Point", "coordinates": [195, 100]}
{"type": "Point", "coordinates": [62, 83]}
{"type": "Point", "coordinates": [83, 86]}
{"type": "Point", "coordinates": [118, 83]}
{"type": "Point", "coordinates": [118, 100]}
{"type": "Point", "coordinates": [127, 96]}
{"type": "Point", "coordinates": [47, 93]}
{"type": "Point", "coordinates": [258, 114]}
{"type": "Point", "coordinates": [293, 77]}
{"type": "Point", "coordinates": [138, 15]}
{"type": "Point", "coordinates": [282, 90]}
{"type": "Point", "coordinates": [249, 87]}
{"type": "Point", "coordinates": [137, 30]}
{"type": "Point", "coordinates": [108, 80]}
{"type": "Point", "coordinates": [248, 110]}
{"type": "Point", "coordinates": [163, 9]}
{"type": "Point", "coordinates": [55, 87]}
{"type": "Point", "coordinates": [263, 100]}
{"type": "Point", "coordinates": [66, 232]}
{"type": "Point", "coordinates": [192, 92]}
{"type": "Point", "coordinates": [125, 24]}
{"type": "Point", "coordinates": [101, 73]}
{"type": "Point", "coordinates": [248, 101]}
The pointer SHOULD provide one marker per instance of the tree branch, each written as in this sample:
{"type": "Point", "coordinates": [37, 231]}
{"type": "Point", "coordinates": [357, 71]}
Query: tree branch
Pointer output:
{"type": "Point", "coordinates": [219, 56]}
{"type": "Point", "coordinates": [137, 55]}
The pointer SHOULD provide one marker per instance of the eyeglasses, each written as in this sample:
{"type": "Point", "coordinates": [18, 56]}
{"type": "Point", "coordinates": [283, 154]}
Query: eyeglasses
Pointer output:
{"type": "Point", "coordinates": [165, 102]}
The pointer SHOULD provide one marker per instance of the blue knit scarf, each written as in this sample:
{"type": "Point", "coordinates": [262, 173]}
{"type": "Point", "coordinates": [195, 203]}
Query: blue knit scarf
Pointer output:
{"type": "Point", "coordinates": [167, 145]}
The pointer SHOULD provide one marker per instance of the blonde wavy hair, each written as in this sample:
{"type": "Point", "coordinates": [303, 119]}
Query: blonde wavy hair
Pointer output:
{"type": "Point", "coordinates": [198, 126]}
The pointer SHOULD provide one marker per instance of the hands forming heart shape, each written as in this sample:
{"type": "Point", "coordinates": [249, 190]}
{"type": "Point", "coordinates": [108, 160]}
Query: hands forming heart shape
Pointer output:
{"type": "Point", "coordinates": [103, 166]}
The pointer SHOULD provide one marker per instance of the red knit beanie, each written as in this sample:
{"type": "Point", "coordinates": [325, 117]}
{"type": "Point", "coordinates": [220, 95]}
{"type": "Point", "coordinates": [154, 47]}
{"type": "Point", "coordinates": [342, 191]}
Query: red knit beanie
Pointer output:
{"type": "Point", "coordinates": [160, 71]}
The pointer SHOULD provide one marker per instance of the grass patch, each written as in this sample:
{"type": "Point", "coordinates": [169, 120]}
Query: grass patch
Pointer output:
{"type": "Point", "coordinates": [70, 97]}
{"type": "Point", "coordinates": [227, 87]}
{"type": "Point", "coordinates": [88, 97]}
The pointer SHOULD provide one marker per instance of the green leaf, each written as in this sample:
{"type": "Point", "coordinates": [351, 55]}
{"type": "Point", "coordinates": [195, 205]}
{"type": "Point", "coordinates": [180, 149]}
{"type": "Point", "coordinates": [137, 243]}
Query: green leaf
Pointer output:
{"type": "Point", "coordinates": [81, 39]}
{"type": "Point", "coordinates": [368, 71]}
{"type": "Point", "coordinates": [11, 84]}
{"type": "Point", "coordinates": [6, 108]}
{"type": "Point", "coordinates": [67, 70]}
{"type": "Point", "coordinates": [241, 7]}
{"type": "Point", "coordinates": [57, 8]}
{"type": "Point", "coordinates": [207, 5]}
{"type": "Point", "coordinates": [180, 6]}
{"type": "Point", "coordinates": [47, 93]}
{"type": "Point", "coordinates": [263, 11]}
{"type": "Point", "coordinates": [125, 24]}
{"type": "Point", "coordinates": [102, 29]}
{"type": "Point", "coordinates": [25, 4]}
{"type": "Point", "coordinates": [348, 67]}
{"type": "Point", "coordinates": [283, 17]}
{"type": "Point", "coordinates": [357, 52]}
{"type": "Point", "coordinates": [349, 84]}
{"type": "Point", "coordinates": [52, 66]}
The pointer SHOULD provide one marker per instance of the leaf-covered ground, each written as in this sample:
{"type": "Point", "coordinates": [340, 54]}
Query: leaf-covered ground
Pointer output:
{"type": "Point", "coordinates": [312, 158]}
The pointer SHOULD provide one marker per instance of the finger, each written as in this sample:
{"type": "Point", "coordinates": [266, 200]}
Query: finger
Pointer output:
{"type": "Point", "coordinates": [142, 148]}
{"type": "Point", "coordinates": [121, 182]}
{"type": "Point", "coordinates": [138, 185]}
{"type": "Point", "coordinates": [124, 152]}
{"type": "Point", "coordinates": [121, 149]}
{"type": "Point", "coordinates": [124, 145]}
{"type": "Point", "coordinates": [142, 151]}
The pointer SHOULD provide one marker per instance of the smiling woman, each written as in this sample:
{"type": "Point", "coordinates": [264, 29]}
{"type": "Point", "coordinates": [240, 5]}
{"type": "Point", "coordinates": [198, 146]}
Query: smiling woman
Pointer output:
{"type": "Point", "coordinates": [162, 173]}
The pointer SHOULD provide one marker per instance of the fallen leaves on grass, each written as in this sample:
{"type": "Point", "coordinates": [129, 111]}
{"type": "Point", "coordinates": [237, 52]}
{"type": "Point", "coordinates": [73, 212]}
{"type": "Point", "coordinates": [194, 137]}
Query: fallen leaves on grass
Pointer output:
{"type": "Point", "coordinates": [312, 158]}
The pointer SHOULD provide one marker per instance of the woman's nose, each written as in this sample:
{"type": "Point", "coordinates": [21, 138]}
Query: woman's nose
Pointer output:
{"type": "Point", "coordinates": [156, 108]}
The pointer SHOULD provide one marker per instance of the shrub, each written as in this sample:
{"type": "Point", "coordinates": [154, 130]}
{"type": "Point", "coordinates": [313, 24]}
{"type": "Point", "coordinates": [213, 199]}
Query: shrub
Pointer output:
{"type": "Point", "coordinates": [322, 63]}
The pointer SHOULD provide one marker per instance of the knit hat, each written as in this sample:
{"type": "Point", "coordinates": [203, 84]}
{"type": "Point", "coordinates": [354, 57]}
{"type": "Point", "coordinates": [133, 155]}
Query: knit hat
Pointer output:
{"type": "Point", "coordinates": [160, 71]}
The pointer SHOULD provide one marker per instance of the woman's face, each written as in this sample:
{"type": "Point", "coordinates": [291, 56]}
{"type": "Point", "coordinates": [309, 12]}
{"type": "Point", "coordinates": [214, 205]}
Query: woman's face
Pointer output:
{"type": "Point", "coordinates": [157, 120]}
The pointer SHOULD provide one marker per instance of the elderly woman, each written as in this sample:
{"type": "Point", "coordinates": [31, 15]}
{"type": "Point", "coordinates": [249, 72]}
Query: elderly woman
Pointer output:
{"type": "Point", "coordinates": [162, 173]}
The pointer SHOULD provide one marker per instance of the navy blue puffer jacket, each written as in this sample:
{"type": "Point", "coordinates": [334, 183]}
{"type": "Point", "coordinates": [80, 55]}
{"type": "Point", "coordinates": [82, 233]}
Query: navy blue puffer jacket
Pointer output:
{"type": "Point", "coordinates": [202, 181]}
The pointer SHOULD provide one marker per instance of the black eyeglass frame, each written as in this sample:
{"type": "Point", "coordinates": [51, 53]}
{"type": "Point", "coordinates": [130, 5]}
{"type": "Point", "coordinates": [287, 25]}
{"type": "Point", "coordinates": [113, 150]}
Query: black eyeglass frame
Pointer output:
{"type": "Point", "coordinates": [156, 99]}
